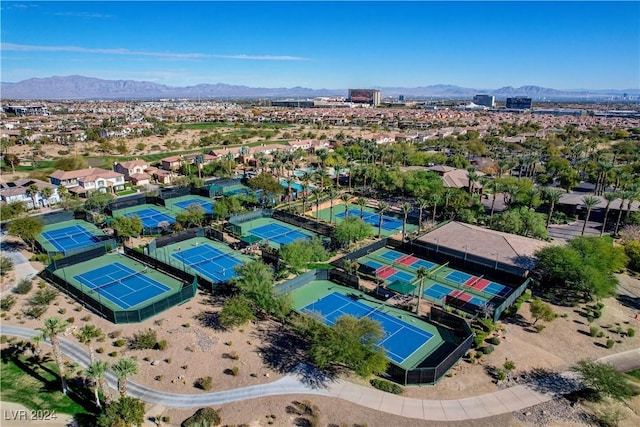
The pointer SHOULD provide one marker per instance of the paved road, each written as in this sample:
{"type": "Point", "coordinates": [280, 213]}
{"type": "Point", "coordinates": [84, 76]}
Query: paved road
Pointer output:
{"type": "Point", "coordinates": [306, 380]}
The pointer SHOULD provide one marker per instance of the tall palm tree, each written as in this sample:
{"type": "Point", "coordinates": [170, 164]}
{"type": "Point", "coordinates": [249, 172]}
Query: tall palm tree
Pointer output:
{"type": "Point", "coordinates": [494, 187]}
{"type": "Point", "coordinates": [421, 274]}
{"type": "Point", "coordinates": [52, 327]}
{"type": "Point", "coordinates": [362, 202]}
{"type": "Point", "coordinates": [422, 205]}
{"type": "Point", "coordinates": [123, 368]}
{"type": "Point", "coordinates": [305, 188]}
{"type": "Point", "coordinates": [46, 194]}
{"type": "Point", "coordinates": [434, 199]}
{"type": "Point", "coordinates": [289, 180]}
{"type": "Point", "coordinates": [634, 194]}
{"type": "Point", "coordinates": [589, 202]}
{"type": "Point", "coordinates": [609, 197]}
{"type": "Point", "coordinates": [406, 208]}
{"type": "Point", "coordinates": [473, 177]}
{"type": "Point", "coordinates": [332, 193]}
{"type": "Point", "coordinates": [86, 335]}
{"type": "Point", "coordinates": [33, 191]}
{"type": "Point", "coordinates": [624, 195]}
{"type": "Point", "coordinates": [382, 207]}
{"type": "Point", "coordinates": [95, 371]}
{"type": "Point", "coordinates": [317, 192]}
{"type": "Point", "coordinates": [553, 197]}
{"type": "Point", "coordinates": [345, 197]}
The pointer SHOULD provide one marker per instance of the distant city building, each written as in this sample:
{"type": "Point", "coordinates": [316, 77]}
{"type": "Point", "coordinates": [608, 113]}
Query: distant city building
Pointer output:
{"type": "Point", "coordinates": [29, 110]}
{"type": "Point", "coordinates": [559, 111]}
{"type": "Point", "coordinates": [293, 103]}
{"type": "Point", "coordinates": [485, 100]}
{"type": "Point", "coordinates": [400, 97]}
{"type": "Point", "coordinates": [365, 96]}
{"type": "Point", "coordinates": [519, 103]}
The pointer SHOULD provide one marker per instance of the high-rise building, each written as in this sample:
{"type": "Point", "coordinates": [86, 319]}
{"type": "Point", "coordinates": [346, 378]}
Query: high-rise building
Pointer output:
{"type": "Point", "coordinates": [519, 103]}
{"type": "Point", "coordinates": [485, 100]}
{"type": "Point", "coordinates": [365, 96]}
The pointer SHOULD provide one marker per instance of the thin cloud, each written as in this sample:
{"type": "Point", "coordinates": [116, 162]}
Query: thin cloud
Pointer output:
{"type": "Point", "coordinates": [163, 55]}
{"type": "Point", "coordinates": [264, 57]}
{"type": "Point", "coordinates": [84, 15]}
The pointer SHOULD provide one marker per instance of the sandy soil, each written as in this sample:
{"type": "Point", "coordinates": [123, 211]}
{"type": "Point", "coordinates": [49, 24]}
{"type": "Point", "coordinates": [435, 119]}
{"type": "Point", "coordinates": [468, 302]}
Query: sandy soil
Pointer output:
{"type": "Point", "coordinates": [197, 349]}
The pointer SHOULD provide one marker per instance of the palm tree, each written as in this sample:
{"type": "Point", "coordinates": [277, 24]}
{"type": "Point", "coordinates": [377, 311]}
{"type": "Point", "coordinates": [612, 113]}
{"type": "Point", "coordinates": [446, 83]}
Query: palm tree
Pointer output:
{"type": "Point", "coordinates": [95, 371]}
{"type": "Point", "coordinates": [124, 368]}
{"type": "Point", "coordinates": [434, 199]}
{"type": "Point", "coordinates": [634, 194]}
{"type": "Point", "coordinates": [362, 202]}
{"type": "Point", "coordinates": [494, 187]}
{"type": "Point", "coordinates": [623, 196]}
{"type": "Point", "coordinates": [317, 192]}
{"type": "Point", "coordinates": [52, 327]}
{"type": "Point", "coordinates": [553, 196]}
{"type": "Point", "coordinates": [473, 177]}
{"type": "Point", "coordinates": [609, 197]}
{"type": "Point", "coordinates": [345, 197]}
{"type": "Point", "coordinates": [406, 208]}
{"type": "Point", "coordinates": [589, 202]}
{"type": "Point", "coordinates": [46, 194]}
{"type": "Point", "coordinates": [33, 191]}
{"type": "Point", "coordinates": [421, 274]}
{"type": "Point", "coordinates": [382, 207]}
{"type": "Point", "coordinates": [86, 335]}
{"type": "Point", "coordinates": [422, 205]}
{"type": "Point", "coordinates": [332, 193]}
{"type": "Point", "coordinates": [289, 180]}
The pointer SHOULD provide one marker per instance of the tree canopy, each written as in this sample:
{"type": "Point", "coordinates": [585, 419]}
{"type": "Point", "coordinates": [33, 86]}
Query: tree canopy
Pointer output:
{"type": "Point", "coordinates": [301, 252]}
{"type": "Point", "coordinates": [128, 411]}
{"type": "Point", "coordinates": [266, 182]}
{"type": "Point", "coordinates": [192, 216]}
{"type": "Point", "coordinates": [581, 269]}
{"type": "Point", "coordinates": [604, 379]}
{"type": "Point", "coordinates": [27, 228]}
{"type": "Point", "coordinates": [351, 230]}
{"type": "Point", "coordinates": [255, 282]}
{"type": "Point", "coordinates": [127, 227]}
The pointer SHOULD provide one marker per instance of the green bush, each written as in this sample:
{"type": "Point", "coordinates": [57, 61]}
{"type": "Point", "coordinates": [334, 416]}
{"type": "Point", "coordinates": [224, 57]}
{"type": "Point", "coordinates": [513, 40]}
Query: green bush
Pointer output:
{"type": "Point", "coordinates": [24, 287]}
{"type": "Point", "coordinates": [119, 342]}
{"type": "Point", "coordinates": [610, 343]}
{"type": "Point", "coordinates": [3, 339]}
{"type": "Point", "coordinates": [113, 354]}
{"type": "Point", "coordinates": [479, 338]}
{"type": "Point", "coordinates": [488, 349]}
{"type": "Point", "coordinates": [235, 371]}
{"type": "Point", "coordinates": [71, 319]}
{"type": "Point", "coordinates": [204, 417]}
{"type": "Point", "coordinates": [204, 383]}
{"type": "Point", "coordinates": [494, 340]}
{"type": "Point", "coordinates": [387, 386]}
{"type": "Point", "coordinates": [35, 311]}
{"type": "Point", "coordinates": [593, 331]}
{"type": "Point", "coordinates": [600, 334]}
{"type": "Point", "coordinates": [500, 375]}
{"type": "Point", "coordinates": [597, 314]}
{"type": "Point", "coordinates": [539, 328]}
{"type": "Point", "coordinates": [43, 297]}
{"type": "Point", "coordinates": [144, 340]}
{"type": "Point", "coordinates": [100, 350]}
{"type": "Point", "coordinates": [7, 302]}
{"type": "Point", "coordinates": [161, 345]}
{"type": "Point", "coordinates": [631, 332]}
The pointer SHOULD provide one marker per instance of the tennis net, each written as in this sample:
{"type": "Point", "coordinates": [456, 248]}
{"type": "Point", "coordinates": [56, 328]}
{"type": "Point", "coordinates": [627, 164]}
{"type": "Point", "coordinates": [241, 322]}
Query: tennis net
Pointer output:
{"type": "Point", "coordinates": [119, 280]}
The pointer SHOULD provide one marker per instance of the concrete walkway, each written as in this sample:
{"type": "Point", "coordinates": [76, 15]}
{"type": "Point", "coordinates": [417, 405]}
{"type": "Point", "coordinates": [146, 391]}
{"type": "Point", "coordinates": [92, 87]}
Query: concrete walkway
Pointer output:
{"type": "Point", "coordinates": [306, 380]}
{"type": "Point", "coordinates": [21, 265]}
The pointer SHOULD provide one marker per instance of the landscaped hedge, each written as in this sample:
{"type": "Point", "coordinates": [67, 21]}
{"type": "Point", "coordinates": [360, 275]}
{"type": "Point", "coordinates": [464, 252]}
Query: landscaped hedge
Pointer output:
{"type": "Point", "coordinates": [386, 386]}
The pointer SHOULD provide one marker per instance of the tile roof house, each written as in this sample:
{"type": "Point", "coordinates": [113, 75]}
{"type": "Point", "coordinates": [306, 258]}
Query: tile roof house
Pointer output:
{"type": "Point", "coordinates": [87, 180]}
{"type": "Point", "coordinates": [136, 171]}
{"type": "Point", "coordinates": [18, 191]}
{"type": "Point", "coordinates": [455, 178]}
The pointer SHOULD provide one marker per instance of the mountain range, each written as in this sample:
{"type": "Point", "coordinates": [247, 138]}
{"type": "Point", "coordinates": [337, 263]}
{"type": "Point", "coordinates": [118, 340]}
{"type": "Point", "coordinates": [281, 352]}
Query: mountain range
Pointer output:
{"type": "Point", "coordinates": [81, 87]}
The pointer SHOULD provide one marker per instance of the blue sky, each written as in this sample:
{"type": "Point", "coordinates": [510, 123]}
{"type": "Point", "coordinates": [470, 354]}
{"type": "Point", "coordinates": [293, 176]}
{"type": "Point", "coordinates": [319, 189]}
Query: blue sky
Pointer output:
{"type": "Point", "coordinates": [568, 45]}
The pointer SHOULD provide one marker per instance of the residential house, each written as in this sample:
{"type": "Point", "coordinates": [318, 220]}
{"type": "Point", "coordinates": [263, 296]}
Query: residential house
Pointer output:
{"type": "Point", "coordinates": [18, 191]}
{"type": "Point", "coordinates": [136, 171]}
{"type": "Point", "coordinates": [86, 180]}
{"type": "Point", "coordinates": [456, 178]}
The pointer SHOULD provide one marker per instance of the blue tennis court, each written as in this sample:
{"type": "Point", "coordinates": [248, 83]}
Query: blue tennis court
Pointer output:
{"type": "Point", "coordinates": [278, 233]}
{"type": "Point", "coordinates": [402, 276]}
{"type": "Point", "coordinates": [151, 217]}
{"type": "Point", "coordinates": [458, 277]}
{"type": "Point", "coordinates": [121, 285]}
{"type": "Point", "coordinates": [207, 207]}
{"type": "Point", "coordinates": [388, 223]}
{"type": "Point", "coordinates": [400, 339]}
{"type": "Point", "coordinates": [373, 264]}
{"type": "Point", "coordinates": [497, 289]}
{"type": "Point", "coordinates": [68, 238]}
{"type": "Point", "coordinates": [209, 262]}
{"type": "Point", "coordinates": [437, 291]}
{"type": "Point", "coordinates": [391, 255]}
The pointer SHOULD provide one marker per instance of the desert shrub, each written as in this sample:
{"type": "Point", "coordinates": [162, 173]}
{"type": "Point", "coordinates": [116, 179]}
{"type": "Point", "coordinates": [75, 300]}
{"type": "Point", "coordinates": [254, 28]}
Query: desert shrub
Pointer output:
{"type": "Point", "coordinates": [204, 417]}
{"type": "Point", "coordinates": [86, 318]}
{"type": "Point", "coordinates": [71, 319]}
{"type": "Point", "coordinates": [161, 345]}
{"type": "Point", "coordinates": [631, 332]}
{"type": "Point", "coordinates": [597, 314]}
{"type": "Point", "coordinates": [43, 297]}
{"type": "Point", "coordinates": [600, 334]}
{"type": "Point", "coordinates": [113, 354]}
{"type": "Point", "coordinates": [204, 383]}
{"type": "Point", "coordinates": [3, 339]}
{"type": "Point", "coordinates": [479, 338]}
{"type": "Point", "coordinates": [7, 302]}
{"type": "Point", "coordinates": [115, 334]}
{"type": "Point", "coordinates": [488, 349]}
{"type": "Point", "coordinates": [62, 310]}
{"type": "Point", "coordinates": [144, 340]}
{"type": "Point", "coordinates": [233, 355]}
{"type": "Point", "coordinates": [23, 287]}
{"type": "Point", "coordinates": [35, 311]}
{"type": "Point", "coordinates": [235, 371]}
{"type": "Point", "coordinates": [500, 375]}
{"type": "Point", "coordinates": [593, 331]}
{"type": "Point", "coordinates": [540, 328]}
{"type": "Point", "coordinates": [165, 418]}
{"type": "Point", "coordinates": [386, 386]}
{"type": "Point", "coordinates": [610, 343]}
{"type": "Point", "coordinates": [119, 342]}
{"type": "Point", "coordinates": [494, 340]}
{"type": "Point", "coordinates": [100, 350]}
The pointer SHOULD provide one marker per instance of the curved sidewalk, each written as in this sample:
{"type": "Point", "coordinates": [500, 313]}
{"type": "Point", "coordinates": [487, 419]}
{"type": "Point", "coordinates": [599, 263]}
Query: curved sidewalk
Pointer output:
{"type": "Point", "coordinates": [306, 380]}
